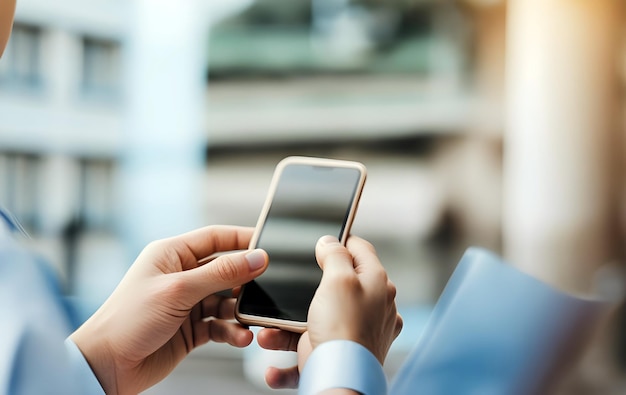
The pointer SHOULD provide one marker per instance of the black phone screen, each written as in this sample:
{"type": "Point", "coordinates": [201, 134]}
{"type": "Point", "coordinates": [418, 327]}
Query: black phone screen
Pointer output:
{"type": "Point", "coordinates": [308, 203]}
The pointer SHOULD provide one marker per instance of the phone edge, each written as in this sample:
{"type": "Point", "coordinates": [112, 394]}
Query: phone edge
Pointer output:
{"type": "Point", "coordinates": [297, 326]}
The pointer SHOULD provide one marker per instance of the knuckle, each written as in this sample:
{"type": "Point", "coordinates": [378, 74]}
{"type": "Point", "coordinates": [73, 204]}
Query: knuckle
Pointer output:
{"type": "Point", "coordinates": [380, 276]}
{"type": "Point", "coordinates": [345, 281]}
{"type": "Point", "coordinates": [225, 269]}
{"type": "Point", "coordinates": [163, 251]}
{"type": "Point", "coordinates": [165, 247]}
{"type": "Point", "coordinates": [336, 249]}
{"type": "Point", "coordinates": [176, 286]}
{"type": "Point", "coordinates": [369, 246]}
{"type": "Point", "coordinates": [334, 254]}
{"type": "Point", "coordinates": [155, 246]}
{"type": "Point", "coordinates": [391, 290]}
{"type": "Point", "coordinates": [399, 324]}
{"type": "Point", "coordinates": [356, 243]}
{"type": "Point", "coordinates": [384, 277]}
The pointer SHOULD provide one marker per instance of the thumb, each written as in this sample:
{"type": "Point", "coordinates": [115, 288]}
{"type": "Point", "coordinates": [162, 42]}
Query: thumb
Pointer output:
{"type": "Point", "coordinates": [224, 272]}
{"type": "Point", "coordinates": [333, 257]}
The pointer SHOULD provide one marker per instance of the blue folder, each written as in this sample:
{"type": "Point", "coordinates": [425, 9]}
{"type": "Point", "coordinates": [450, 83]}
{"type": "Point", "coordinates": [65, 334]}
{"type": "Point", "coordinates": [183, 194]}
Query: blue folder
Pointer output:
{"type": "Point", "coordinates": [496, 330]}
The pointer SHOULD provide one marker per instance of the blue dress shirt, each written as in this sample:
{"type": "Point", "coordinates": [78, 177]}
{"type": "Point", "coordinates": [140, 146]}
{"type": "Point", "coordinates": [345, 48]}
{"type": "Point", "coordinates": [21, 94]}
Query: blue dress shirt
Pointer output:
{"type": "Point", "coordinates": [342, 364]}
{"type": "Point", "coordinates": [34, 322]}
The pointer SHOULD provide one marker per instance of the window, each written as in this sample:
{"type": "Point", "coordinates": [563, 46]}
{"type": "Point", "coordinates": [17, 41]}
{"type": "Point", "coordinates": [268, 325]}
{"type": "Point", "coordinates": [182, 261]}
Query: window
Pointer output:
{"type": "Point", "coordinates": [18, 186]}
{"type": "Point", "coordinates": [101, 68]}
{"type": "Point", "coordinates": [97, 193]}
{"type": "Point", "coordinates": [20, 65]}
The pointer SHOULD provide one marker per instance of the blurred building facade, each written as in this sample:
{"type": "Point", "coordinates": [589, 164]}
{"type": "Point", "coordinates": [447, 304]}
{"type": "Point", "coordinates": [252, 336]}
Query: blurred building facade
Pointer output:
{"type": "Point", "coordinates": [384, 85]}
{"type": "Point", "coordinates": [390, 85]}
{"type": "Point", "coordinates": [60, 120]}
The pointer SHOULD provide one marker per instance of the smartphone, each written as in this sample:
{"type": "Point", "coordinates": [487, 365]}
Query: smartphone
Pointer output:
{"type": "Point", "coordinates": [308, 198]}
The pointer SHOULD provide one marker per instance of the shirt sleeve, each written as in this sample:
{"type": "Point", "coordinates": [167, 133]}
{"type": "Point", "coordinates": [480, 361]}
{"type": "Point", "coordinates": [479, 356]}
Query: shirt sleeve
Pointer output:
{"type": "Point", "coordinates": [342, 364]}
{"type": "Point", "coordinates": [35, 321]}
{"type": "Point", "coordinates": [88, 382]}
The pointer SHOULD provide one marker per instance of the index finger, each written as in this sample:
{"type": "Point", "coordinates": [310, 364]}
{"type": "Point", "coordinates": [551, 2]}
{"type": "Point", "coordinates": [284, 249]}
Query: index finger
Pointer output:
{"type": "Point", "coordinates": [215, 238]}
{"type": "Point", "coordinates": [278, 339]}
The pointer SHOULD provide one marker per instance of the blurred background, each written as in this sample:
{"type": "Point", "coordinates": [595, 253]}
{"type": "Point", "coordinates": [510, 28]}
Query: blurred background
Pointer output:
{"type": "Point", "coordinates": [482, 122]}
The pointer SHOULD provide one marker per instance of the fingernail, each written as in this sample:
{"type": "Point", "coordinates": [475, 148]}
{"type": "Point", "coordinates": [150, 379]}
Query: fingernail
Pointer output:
{"type": "Point", "coordinates": [256, 259]}
{"type": "Point", "coordinates": [328, 240]}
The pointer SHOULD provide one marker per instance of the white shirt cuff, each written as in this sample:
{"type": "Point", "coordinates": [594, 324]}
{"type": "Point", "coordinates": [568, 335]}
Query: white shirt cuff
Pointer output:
{"type": "Point", "coordinates": [88, 380]}
{"type": "Point", "coordinates": [342, 364]}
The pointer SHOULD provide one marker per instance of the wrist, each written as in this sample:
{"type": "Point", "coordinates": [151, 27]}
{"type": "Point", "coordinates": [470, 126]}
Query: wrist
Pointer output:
{"type": "Point", "coordinates": [94, 347]}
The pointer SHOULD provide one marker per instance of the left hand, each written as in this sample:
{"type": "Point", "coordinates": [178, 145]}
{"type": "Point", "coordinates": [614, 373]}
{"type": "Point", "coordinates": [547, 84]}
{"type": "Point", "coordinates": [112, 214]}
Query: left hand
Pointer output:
{"type": "Point", "coordinates": [355, 301]}
{"type": "Point", "coordinates": [166, 305]}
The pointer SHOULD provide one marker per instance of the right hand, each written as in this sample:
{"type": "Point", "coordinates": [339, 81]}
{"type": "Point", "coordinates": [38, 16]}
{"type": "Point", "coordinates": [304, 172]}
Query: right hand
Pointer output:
{"type": "Point", "coordinates": [167, 304]}
{"type": "Point", "coordinates": [355, 301]}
